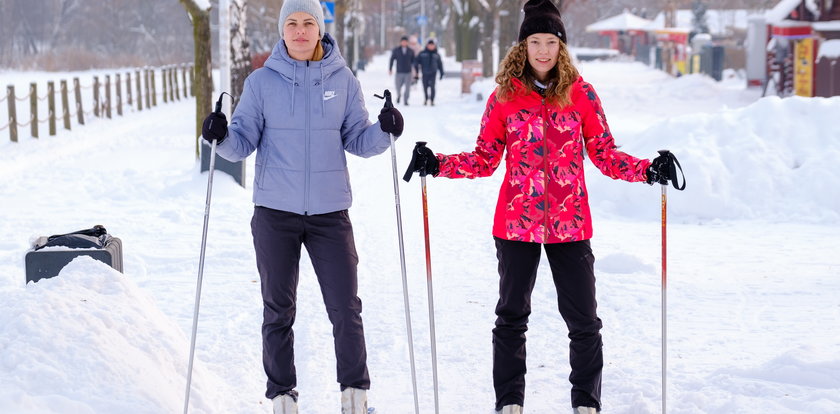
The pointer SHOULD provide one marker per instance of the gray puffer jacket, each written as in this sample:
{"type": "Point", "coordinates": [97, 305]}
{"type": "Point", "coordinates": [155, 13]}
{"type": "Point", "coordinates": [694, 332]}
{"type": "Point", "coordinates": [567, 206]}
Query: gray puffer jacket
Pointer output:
{"type": "Point", "coordinates": [300, 117]}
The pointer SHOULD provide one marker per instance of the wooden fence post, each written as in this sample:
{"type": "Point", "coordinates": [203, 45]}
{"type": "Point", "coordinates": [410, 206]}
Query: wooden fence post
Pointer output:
{"type": "Point", "coordinates": [51, 105]}
{"type": "Point", "coordinates": [192, 80]}
{"type": "Point", "coordinates": [154, 87]}
{"type": "Point", "coordinates": [108, 96]}
{"type": "Point", "coordinates": [128, 89]}
{"type": "Point", "coordinates": [33, 109]}
{"type": "Point", "coordinates": [177, 90]}
{"type": "Point", "coordinates": [164, 79]}
{"type": "Point", "coordinates": [139, 93]}
{"type": "Point", "coordinates": [80, 113]}
{"type": "Point", "coordinates": [65, 104]}
{"type": "Point", "coordinates": [184, 79]}
{"type": "Point", "coordinates": [173, 79]}
{"type": "Point", "coordinates": [118, 84]}
{"type": "Point", "coordinates": [96, 102]}
{"type": "Point", "coordinates": [10, 97]}
{"type": "Point", "coordinates": [148, 88]}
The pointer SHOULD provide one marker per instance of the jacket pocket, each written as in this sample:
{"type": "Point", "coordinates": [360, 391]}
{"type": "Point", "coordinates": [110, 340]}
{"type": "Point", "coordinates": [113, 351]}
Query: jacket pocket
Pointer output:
{"type": "Point", "coordinates": [259, 176]}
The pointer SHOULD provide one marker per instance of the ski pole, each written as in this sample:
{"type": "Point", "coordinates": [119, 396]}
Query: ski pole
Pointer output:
{"type": "Point", "coordinates": [422, 169]}
{"type": "Point", "coordinates": [664, 294]}
{"type": "Point", "coordinates": [429, 285]}
{"type": "Point", "coordinates": [201, 261]}
{"type": "Point", "coordinates": [389, 104]}
{"type": "Point", "coordinates": [673, 165]}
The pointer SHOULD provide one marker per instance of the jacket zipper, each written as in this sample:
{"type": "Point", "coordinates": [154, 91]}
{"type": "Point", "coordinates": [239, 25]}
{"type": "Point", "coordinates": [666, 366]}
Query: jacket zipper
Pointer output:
{"type": "Point", "coordinates": [545, 169]}
{"type": "Point", "coordinates": [307, 136]}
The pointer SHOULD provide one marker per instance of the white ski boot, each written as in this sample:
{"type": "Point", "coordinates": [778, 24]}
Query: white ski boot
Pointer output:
{"type": "Point", "coordinates": [584, 410]}
{"type": "Point", "coordinates": [285, 404]}
{"type": "Point", "coordinates": [511, 409]}
{"type": "Point", "coordinates": [354, 401]}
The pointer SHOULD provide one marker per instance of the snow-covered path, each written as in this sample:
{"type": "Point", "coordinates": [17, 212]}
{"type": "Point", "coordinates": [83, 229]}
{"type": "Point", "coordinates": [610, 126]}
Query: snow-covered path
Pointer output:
{"type": "Point", "coordinates": [753, 298]}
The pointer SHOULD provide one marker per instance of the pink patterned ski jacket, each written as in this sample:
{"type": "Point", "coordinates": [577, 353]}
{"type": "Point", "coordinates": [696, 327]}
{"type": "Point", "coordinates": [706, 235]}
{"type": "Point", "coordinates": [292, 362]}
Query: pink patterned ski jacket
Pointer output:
{"type": "Point", "coordinates": [543, 198]}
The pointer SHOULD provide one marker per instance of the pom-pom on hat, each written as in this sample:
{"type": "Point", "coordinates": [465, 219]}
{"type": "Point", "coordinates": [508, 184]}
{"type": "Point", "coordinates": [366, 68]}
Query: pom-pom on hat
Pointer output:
{"type": "Point", "coordinates": [541, 16]}
{"type": "Point", "coordinates": [310, 7]}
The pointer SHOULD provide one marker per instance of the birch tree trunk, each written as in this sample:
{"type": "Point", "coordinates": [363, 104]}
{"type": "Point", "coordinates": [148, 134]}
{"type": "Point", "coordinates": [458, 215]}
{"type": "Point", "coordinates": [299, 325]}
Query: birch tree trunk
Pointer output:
{"type": "Point", "coordinates": [240, 52]}
{"type": "Point", "coordinates": [203, 83]}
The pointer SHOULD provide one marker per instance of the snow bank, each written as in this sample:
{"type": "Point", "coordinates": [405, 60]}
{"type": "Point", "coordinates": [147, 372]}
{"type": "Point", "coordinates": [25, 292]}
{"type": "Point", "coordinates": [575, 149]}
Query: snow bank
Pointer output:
{"type": "Point", "coordinates": [90, 341]}
{"type": "Point", "coordinates": [761, 161]}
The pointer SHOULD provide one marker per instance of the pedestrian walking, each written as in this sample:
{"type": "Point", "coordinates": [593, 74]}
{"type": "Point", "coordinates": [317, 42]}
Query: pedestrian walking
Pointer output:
{"type": "Point", "coordinates": [403, 55]}
{"type": "Point", "coordinates": [301, 113]}
{"type": "Point", "coordinates": [545, 116]}
{"type": "Point", "coordinates": [429, 64]}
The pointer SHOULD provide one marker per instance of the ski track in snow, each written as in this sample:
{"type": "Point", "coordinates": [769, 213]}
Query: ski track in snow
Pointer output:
{"type": "Point", "coordinates": [752, 295]}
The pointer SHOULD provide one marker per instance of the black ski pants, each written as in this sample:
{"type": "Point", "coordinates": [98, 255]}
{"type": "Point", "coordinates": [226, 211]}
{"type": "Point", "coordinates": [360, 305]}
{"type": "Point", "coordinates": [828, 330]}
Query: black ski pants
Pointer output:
{"type": "Point", "coordinates": [574, 278]}
{"type": "Point", "coordinates": [429, 86]}
{"type": "Point", "coordinates": [328, 238]}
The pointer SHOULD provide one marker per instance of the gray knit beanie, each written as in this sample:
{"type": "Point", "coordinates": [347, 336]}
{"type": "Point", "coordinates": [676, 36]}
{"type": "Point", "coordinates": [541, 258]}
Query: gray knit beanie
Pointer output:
{"type": "Point", "coordinates": [311, 7]}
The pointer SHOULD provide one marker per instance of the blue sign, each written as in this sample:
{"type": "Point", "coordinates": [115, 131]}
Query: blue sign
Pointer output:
{"type": "Point", "coordinates": [329, 11]}
{"type": "Point", "coordinates": [422, 20]}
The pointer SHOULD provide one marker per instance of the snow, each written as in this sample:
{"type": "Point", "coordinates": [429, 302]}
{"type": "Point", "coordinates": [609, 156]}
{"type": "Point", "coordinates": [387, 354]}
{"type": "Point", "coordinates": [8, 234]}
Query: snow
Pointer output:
{"type": "Point", "coordinates": [813, 7]}
{"type": "Point", "coordinates": [829, 49]}
{"type": "Point", "coordinates": [829, 26]}
{"type": "Point", "coordinates": [781, 11]}
{"type": "Point", "coordinates": [752, 264]}
{"type": "Point", "coordinates": [720, 22]}
{"type": "Point", "coordinates": [202, 4]}
{"type": "Point", "coordinates": [623, 21]}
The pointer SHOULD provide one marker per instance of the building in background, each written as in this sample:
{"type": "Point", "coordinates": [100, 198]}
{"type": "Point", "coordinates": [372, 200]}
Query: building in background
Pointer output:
{"type": "Point", "coordinates": [799, 54]}
{"type": "Point", "coordinates": [677, 45]}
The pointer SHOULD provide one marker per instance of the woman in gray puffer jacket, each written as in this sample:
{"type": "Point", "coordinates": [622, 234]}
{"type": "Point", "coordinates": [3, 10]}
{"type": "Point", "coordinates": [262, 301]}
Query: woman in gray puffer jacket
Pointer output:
{"type": "Point", "coordinates": [301, 113]}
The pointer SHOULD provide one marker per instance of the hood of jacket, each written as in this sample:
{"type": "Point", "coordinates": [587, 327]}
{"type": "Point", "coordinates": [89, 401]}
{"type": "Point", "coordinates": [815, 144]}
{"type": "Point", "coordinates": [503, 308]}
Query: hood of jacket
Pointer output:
{"type": "Point", "coordinates": [293, 70]}
{"type": "Point", "coordinates": [282, 63]}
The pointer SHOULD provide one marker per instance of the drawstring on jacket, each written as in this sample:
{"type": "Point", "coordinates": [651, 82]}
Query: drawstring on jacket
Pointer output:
{"type": "Point", "coordinates": [294, 86]}
{"type": "Point", "coordinates": [323, 93]}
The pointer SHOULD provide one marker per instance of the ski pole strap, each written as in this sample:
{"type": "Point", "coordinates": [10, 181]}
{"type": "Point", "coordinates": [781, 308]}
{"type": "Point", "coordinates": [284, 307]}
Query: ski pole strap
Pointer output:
{"type": "Point", "coordinates": [411, 166]}
{"type": "Point", "coordinates": [95, 231]}
{"type": "Point", "coordinates": [673, 165]}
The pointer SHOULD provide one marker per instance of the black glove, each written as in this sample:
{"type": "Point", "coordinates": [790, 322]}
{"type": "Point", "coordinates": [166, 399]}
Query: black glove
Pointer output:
{"type": "Point", "coordinates": [663, 169]}
{"type": "Point", "coordinates": [215, 127]}
{"type": "Point", "coordinates": [391, 121]}
{"type": "Point", "coordinates": [423, 160]}
{"type": "Point", "coordinates": [441, 76]}
{"type": "Point", "coordinates": [659, 171]}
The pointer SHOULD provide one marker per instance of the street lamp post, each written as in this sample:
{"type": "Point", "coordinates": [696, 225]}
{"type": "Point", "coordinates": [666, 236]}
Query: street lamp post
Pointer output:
{"type": "Point", "coordinates": [423, 20]}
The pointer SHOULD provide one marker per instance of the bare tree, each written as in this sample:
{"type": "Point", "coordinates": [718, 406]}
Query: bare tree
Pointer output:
{"type": "Point", "coordinates": [467, 29]}
{"type": "Point", "coordinates": [203, 84]}
{"type": "Point", "coordinates": [239, 49]}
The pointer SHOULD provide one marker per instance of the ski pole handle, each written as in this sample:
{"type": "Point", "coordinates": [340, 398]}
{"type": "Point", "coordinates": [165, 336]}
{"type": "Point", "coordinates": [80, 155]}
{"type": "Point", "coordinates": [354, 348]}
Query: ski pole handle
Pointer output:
{"type": "Point", "coordinates": [219, 102]}
{"type": "Point", "coordinates": [387, 97]}
{"type": "Point", "coordinates": [673, 166]}
{"type": "Point", "coordinates": [412, 165]}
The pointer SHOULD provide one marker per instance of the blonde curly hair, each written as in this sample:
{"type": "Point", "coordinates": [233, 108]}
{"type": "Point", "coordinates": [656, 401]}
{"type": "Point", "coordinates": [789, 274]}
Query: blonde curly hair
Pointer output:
{"type": "Point", "coordinates": [515, 65]}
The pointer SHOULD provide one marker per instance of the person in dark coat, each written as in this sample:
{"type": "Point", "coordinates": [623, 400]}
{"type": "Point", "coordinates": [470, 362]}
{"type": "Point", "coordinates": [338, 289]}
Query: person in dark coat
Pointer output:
{"type": "Point", "coordinates": [404, 57]}
{"type": "Point", "coordinates": [429, 63]}
{"type": "Point", "coordinates": [302, 113]}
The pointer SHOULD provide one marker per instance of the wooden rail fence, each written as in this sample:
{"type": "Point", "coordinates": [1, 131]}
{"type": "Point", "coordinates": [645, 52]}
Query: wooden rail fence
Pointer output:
{"type": "Point", "coordinates": [140, 92]}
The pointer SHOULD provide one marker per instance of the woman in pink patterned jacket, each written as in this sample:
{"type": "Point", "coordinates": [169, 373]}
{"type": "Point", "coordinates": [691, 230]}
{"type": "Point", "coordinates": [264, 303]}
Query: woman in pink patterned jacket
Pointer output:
{"type": "Point", "coordinates": [544, 115]}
